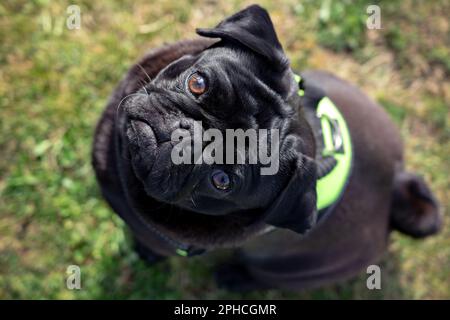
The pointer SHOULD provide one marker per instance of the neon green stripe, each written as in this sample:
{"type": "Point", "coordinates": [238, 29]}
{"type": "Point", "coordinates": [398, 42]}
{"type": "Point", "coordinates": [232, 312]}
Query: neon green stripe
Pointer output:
{"type": "Point", "coordinates": [181, 252]}
{"type": "Point", "coordinates": [297, 79]}
{"type": "Point", "coordinates": [330, 187]}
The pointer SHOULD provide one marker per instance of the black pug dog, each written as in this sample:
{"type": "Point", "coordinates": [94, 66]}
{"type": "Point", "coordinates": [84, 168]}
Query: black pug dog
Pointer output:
{"type": "Point", "coordinates": [293, 229]}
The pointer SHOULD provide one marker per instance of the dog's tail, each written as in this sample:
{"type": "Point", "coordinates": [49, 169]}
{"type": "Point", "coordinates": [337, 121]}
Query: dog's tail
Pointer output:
{"type": "Point", "coordinates": [414, 209]}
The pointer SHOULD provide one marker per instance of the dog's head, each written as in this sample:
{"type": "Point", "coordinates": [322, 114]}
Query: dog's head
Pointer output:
{"type": "Point", "coordinates": [243, 81]}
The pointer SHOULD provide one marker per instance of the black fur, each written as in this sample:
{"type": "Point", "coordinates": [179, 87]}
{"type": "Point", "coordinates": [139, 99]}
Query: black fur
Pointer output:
{"type": "Point", "coordinates": [250, 85]}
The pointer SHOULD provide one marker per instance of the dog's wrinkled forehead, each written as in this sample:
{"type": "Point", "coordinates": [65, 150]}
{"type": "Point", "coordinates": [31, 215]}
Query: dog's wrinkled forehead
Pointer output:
{"type": "Point", "coordinates": [220, 61]}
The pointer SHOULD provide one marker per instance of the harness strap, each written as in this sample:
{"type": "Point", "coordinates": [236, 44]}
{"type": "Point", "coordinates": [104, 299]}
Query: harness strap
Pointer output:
{"type": "Point", "coordinates": [334, 154]}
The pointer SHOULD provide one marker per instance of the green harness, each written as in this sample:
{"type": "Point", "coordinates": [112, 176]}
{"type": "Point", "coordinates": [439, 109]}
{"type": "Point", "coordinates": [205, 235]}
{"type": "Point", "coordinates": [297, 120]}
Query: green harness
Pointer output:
{"type": "Point", "coordinates": [337, 145]}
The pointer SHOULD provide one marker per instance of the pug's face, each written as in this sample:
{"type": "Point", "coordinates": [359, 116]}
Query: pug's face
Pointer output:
{"type": "Point", "coordinates": [241, 82]}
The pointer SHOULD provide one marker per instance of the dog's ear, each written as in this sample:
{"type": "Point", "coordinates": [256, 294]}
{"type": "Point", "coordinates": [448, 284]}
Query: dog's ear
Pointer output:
{"type": "Point", "coordinates": [295, 207]}
{"type": "Point", "coordinates": [252, 28]}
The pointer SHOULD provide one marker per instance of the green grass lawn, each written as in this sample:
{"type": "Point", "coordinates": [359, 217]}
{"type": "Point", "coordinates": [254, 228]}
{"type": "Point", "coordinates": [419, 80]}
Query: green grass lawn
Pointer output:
{"type": "Point", "coordinates": [54, 83]}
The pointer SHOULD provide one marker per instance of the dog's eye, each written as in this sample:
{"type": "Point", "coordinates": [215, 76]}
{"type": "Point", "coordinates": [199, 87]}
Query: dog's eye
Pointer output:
{"type": "Point", "coordinates": [196, 84]}
{"type": "Point", "coordinates": [221, 180]}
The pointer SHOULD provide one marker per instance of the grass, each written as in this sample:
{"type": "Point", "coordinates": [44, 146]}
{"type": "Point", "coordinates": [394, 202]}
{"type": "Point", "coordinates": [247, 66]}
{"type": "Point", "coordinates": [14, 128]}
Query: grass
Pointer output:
{"type": "Point", "coordinates": [54, 83]}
